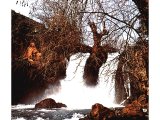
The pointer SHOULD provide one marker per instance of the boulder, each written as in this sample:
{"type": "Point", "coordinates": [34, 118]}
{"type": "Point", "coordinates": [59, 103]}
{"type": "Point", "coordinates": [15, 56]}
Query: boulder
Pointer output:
{"type": "Point", "coordinates": [49, 103]}
{"type": "Point", "coordinates": [133, 109]}
{"type": "Point", "coordinates": [99, 112]}
{"type": "Point", "coordinates": [59, 105]}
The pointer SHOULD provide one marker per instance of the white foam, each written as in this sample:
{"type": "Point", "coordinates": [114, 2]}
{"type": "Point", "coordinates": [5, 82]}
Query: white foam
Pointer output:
{"type": "Point", "coordinates": [46, 110]}
{"type": "Point", "coordinates": [76, 95]}
{"type": "Point", "coordinates": [19, 118]}
{"type": "Point", "coordinates": [39, 118]}
{"type": "Point", "coordinates": [76, 116]}
{"type": "Point", "coordinates": [22, 106]}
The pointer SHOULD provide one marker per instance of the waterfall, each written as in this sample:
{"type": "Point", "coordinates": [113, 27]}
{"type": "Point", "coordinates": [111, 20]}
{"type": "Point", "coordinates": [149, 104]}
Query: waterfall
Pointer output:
{"type": "Point", "coordinates": [76, 95]}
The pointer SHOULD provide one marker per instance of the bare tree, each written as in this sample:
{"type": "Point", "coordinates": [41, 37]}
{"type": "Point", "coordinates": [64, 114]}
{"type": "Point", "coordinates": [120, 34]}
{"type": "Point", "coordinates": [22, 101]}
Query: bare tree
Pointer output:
{"type": "Point", "coordinates": [114, 23]}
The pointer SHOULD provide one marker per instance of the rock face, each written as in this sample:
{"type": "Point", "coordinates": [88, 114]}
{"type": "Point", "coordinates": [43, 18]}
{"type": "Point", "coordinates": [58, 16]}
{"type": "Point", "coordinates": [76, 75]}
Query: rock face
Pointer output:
{"type": "Point", "coordinates": [49, 103]}
{"type": "Point", "coordinates": [24, 88]}
{"type": "Point", "coordinates": [29, 81]}
{"type": "Point", "coordinates": [133, 70]}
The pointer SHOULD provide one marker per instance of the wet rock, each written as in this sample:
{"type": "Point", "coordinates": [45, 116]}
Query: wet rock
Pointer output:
{"type": "Point", "coordinates": [49, 103]}
{"type": "Point", "coordinates": [132, 111]}
{"type": "Point", "coordinates": [59, 105]}
{"type": "Point", "coordinates": [99, 112]}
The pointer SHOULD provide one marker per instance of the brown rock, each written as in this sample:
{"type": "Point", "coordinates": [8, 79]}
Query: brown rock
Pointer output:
{"type": "Point", "coordinates": [133, 109]}
{"type": "Point", "coordinates": [59, 105]}
{"type": "Point", "coordinates": [49, 103]}
{"type": "Point", "coordinates": [143, 100]}
{"type": "Point", "coordinates": [99, 112]}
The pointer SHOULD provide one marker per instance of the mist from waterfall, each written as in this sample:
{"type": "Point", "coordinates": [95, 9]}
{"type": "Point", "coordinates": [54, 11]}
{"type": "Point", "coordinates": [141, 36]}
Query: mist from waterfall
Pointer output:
{"type": "Point", "coordinates": [76, 95]}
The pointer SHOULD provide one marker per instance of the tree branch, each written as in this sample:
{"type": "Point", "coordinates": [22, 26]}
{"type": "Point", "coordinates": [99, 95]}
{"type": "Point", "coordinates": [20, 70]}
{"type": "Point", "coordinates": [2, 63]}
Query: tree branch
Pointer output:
{"type": "Point", "coordinates": [122, 21]}
{"type": "Point", "coordinates": [82, 48]}
{"type": "Point", "coordinates": [110, 49]}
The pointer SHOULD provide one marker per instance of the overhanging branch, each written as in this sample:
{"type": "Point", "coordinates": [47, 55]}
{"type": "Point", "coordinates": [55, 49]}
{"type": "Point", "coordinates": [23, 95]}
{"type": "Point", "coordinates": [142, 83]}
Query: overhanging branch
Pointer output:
{"type": "Point", "coordinates": [122, 21]}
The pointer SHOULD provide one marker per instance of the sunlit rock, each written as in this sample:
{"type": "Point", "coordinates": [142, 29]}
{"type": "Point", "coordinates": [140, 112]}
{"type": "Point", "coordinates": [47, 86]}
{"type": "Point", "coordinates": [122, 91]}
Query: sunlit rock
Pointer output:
{"type": "Point", "coordinates": [99, 112]}
{"type": "Point", "coordinates": [133, 109]}
{"type": "Point", "coordinates": [137, 107]}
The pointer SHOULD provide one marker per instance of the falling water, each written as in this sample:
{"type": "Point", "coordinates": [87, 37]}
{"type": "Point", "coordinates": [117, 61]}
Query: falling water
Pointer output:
{"type": "Point", "coordinates": [76, 95]}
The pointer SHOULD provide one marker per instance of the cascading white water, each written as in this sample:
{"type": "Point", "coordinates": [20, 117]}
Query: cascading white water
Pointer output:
{"type": "Point", "coordinates": [76, 95]}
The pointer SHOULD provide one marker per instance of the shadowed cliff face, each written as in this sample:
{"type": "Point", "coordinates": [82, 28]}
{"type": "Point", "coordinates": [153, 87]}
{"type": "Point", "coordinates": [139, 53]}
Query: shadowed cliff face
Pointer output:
{"type": "Point", "coordinates": [26, 80]}
{"type": "Point", "coordinates": [20, 77]}
{"type": "Point", "coordinates": [29, 81]}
